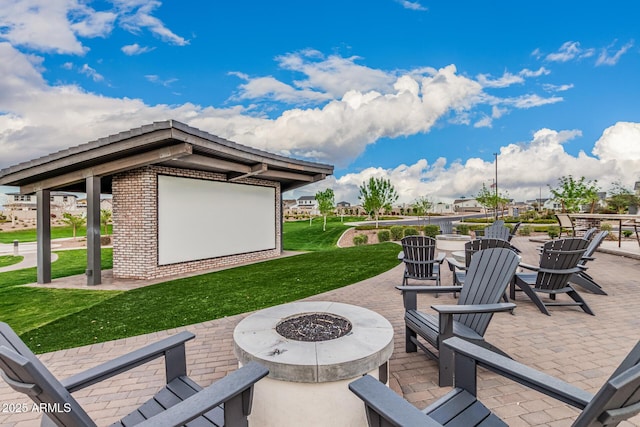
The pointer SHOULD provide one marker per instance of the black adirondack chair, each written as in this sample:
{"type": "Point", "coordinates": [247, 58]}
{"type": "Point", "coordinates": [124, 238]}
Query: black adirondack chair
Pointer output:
{"type": "Point", "coordinates": [616, 401]}
{"type": "Point", "coordinates": [514, 230]}
{"type": "Point", "coordinates": [496, 231]}
{"type": "Point", "coordinates": [581, 278]}
{"type": "Point", "coordinates": [226, 402]}
{"type": "Point", "coordinates": [488, 276]}
{"type": "Point", "coordinates": [558, 263]}
{"type": "Point", "coordinates": [588, 235]}
{"type": "Point", "coordinates": [420, 259]}
{"type": "Point", "coordinates": [459, 270]}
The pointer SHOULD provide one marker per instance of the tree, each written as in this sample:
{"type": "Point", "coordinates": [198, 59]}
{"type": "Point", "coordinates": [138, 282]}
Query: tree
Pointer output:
{"type": "Point", "coordinates": [326, 203]}
{"type": "Point", "coordinates": [377, 194]}
{"type": "Point", "coordinates": [621, 198]}
{"type": "Point", "coordinates": [74, 221]}
{"type": "Point", "coordinates": [572, 193]}
{"type": "Point", "coordinates": [421, 206]}
{"type": "Point", "coordinates": [487, 199]}
{"type": "Point", "coordinates": [105, 218]}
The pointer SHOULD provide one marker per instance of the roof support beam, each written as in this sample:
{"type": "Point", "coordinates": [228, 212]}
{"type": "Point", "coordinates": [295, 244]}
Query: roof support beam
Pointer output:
{"type": "Point", "coordinates": [217, 164]}
{"type": "Point", "coordinates": [255, 170]}
{"type": "Point", "coordinates": [136, 161]}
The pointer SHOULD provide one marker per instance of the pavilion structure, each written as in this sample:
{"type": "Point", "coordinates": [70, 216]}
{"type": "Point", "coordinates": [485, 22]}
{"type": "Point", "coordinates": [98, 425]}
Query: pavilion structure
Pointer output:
{"type": "Point", "coordinates": [183, 199]}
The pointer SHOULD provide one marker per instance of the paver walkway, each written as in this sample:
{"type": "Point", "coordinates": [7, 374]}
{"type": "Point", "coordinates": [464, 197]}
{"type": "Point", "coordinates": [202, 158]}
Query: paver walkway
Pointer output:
{"type": "Point", "coordinates": [569, 344]}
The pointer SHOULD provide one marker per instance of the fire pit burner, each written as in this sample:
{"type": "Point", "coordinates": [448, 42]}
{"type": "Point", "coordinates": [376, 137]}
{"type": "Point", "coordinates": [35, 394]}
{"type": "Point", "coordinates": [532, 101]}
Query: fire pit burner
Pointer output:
{"type": "Point", "coordinates": [314, 327]}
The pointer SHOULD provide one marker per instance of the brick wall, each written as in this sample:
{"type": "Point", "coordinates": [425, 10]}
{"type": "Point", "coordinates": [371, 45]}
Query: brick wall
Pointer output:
{"type": "Point", "coordinates": [135, 225]}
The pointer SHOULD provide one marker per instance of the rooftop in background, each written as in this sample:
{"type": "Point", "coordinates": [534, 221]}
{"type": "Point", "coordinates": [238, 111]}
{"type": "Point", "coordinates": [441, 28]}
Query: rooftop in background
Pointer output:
{"type": "Point", "coordinates": [168, 143]}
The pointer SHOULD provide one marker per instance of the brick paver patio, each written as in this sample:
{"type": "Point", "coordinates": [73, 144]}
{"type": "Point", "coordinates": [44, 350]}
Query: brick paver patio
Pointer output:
{"type": "Point", "coordinates": [569, 344]}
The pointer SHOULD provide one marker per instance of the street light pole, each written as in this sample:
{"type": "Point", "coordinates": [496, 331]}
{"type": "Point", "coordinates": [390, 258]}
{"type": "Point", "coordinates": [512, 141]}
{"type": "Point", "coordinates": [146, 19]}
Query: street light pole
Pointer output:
{"type": "Point", "coordinates": [496, 182]}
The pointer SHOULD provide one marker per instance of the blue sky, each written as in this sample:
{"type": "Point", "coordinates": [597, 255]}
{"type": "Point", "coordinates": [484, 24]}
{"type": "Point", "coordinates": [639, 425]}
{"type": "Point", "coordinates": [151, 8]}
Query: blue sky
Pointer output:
{"type": "Point", "coordinates": [422, 93]}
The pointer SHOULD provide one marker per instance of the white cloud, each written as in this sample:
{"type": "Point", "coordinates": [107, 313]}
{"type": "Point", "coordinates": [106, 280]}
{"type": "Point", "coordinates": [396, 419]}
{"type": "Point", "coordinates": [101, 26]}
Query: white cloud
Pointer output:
{"type": "Point", "coordinates": [135, 49]}
{"type": "Point", "coordinates": [90, 72]}
{"type": "Point", "coordinates": [620, 141]}
{"type": "Point", "coordinates": [506, 80]}
{"type": "Point", "coordinates": [271, 89]}
{"type": "Point", "coordinates": [524, 170]}
{"type": "Point", "coordinates": [530, 101]}
{"type": "Point", "coordinates": [537, 73]}
{"type": "Point", "coordinates": [484, 122]}
{"type": "Point", "coordinates": [557, 88]}
{"type": "Point", "coordinates": [335, 75]}
{"type": "Point", "coordinates": [153, 78]}
{"type": "Point", "coordinates": [570, 51]}
{"type": "Point", "coordinates": [605, 58]}
{"type": "Point", "coordinates": [56, 25]}
{"type": "Point", "coordinates": [412, 5]}
{"type": "Point", "coordinates": [135, 15]}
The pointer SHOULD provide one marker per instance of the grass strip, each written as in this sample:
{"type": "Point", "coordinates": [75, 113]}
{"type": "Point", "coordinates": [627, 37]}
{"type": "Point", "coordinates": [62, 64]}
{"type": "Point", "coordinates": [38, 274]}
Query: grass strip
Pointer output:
{"type": "Point", "coordinates": [29, 234]}
{"type": "Point", "coordinates": [7, 260]}
{"type": "Point", "coordinates": [215, 295]}
{"type": "Point", "coordinates": [26, 308]}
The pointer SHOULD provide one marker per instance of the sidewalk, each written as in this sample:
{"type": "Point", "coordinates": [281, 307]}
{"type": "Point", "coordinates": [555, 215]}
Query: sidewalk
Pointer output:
{"type": "Point", "coordinates": [570, 344]}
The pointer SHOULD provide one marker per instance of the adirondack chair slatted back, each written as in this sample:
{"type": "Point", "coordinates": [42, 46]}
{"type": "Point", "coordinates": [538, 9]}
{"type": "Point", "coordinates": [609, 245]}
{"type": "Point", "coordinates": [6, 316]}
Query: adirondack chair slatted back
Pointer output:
{"type": "Point", "coordinates": [558, 262]}
{"type": "Point", "coordinates": [22, 370]}
{"type": "Point", "coordinates": [590, 233]}
{"type": "Point", "coordinates": [473, 246]}
{"type": "Point", "coordinates": [417, 251]}
{"type": "Point", "coordinates": [618, 399]}
{"type": "Point", "coordinates": [488, 276]}
{"type": "Point", "coordinates": [593, 245]}
{"type": "Point", "coordinates": [496, 231]}
{"type": "Point", "coordinates": [446, 227]}
{"type": "Point", "coordinates": [514, 230]}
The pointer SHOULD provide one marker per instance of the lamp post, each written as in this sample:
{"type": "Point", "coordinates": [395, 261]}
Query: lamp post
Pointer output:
{"type": "Point", "coordinates": [496, 182]}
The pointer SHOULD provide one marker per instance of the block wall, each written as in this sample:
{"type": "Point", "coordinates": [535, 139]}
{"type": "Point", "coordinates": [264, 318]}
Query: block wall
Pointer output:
{"type": "Point", "coordinates": [135, 225]}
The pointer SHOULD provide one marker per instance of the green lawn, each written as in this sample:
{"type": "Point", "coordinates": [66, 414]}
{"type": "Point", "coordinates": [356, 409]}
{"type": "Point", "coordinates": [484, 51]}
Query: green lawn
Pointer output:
{"type": "Point", "coordinates": [25, 308]}
{"type": "Point", "coordinates": [7, 260]}
{"type": "Point", "coordinates": [53, 319]}
{"type": "Point", "coordinates": [300, 236]}
{"type": "Point", "coordinates": [29, 235]}
{"type": "Point", "coordinates": [211, 296]}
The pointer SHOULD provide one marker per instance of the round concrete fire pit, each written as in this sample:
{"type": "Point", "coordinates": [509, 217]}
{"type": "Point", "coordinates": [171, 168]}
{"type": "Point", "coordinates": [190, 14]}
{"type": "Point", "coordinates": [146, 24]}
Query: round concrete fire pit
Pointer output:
{"type": "Point", "coordinates": [308, 379]}
{"type": "Point", "coordinates": [451, 242]}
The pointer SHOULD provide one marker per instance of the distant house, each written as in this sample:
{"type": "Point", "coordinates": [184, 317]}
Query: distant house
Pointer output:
{"type": "Point", "coordinates": [307, 202]}
{"type": "Point", "coordinates": [441, 208]}
{"type": "Point", "coordinates": [467, 205]}
{"type": "Point", "coordinates": [27, 202]}
{"type": "Point", "coordinates": [343, 205]}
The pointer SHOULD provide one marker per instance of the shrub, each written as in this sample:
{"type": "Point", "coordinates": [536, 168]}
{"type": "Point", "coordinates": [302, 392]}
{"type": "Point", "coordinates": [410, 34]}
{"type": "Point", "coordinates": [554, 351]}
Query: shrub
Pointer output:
{"type": "Point", "coordinates": [411, 231]}
{"type": "Point", "coordinates": [396, 232]}
{"type": "Point", "coordinates": [360, 239]}
{"type": "Point", "coordinates": [525, 230]}
{"type": "Point", "coordinates": [606, 227]}
{"type": "Point", "coordinates": [553, 232]}
{"type": "Point", "coordinates": [462, 229]}
{"type": "Point", "coordinates": [384, 236]}
{"type": "Point", "coordinates": [627, 233]}
{"type": "Point", "coordinates": [429, 230]}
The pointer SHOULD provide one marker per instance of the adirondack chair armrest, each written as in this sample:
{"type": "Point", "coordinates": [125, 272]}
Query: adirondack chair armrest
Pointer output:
{"type": "Point", "coordinates": [383, 402]}
{"type": "Point", "coordinates": [520, 373]}
{"type": "Point", "coordinates": [428, 289]}
{"type": "Point", "coordinates": [238, 384]}
{"type": "Point", "coordinates": [174, 343]}
{"type": "Point", "coordinates": [440, 257]}
{"type": "Point", "coordinates": [587, 258]}
{"type": "Point", "coordinates": [529, 266]}
{"type": "Point", "coordinates": [473, 308]}
{"type": "Point", "coordinates": [410, 293]}
{"type": "Point", "coordinates": [455, 264]}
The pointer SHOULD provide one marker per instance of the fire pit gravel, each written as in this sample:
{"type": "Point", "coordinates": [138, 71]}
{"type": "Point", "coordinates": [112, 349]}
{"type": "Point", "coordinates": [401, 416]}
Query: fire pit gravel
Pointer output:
{"type": "Point", "coordinates": [314, 327]}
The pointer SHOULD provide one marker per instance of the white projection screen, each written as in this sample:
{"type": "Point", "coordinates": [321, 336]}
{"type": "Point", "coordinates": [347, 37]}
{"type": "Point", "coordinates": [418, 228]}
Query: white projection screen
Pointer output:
{"type": "Point", "coordinates": [200, 219]}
